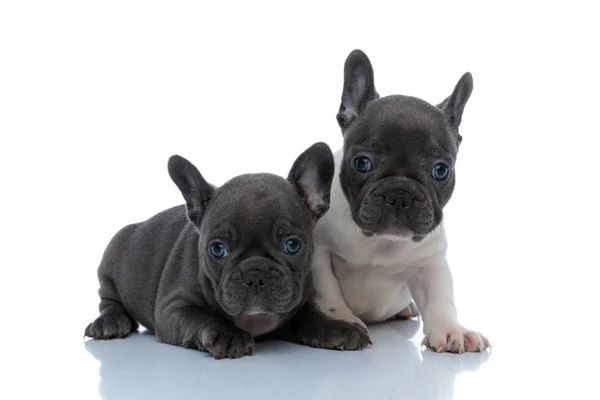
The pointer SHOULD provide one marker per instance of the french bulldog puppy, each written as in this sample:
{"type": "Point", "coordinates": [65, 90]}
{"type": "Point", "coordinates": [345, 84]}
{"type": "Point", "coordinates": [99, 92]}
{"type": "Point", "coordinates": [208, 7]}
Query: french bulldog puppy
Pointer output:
{"type": "Point", "coordinates": [233, 263]}
{"type": "Point", "coordinates": [382, 243]}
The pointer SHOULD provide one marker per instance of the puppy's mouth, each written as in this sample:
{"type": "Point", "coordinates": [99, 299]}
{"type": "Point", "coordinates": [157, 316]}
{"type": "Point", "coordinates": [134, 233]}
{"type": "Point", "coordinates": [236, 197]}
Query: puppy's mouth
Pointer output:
{"type": "Point", "coordinates": [396, 212]}
{"type": "Point", "coordinates": [279, 293]}
{"type": "Point", "coordinates": [395, 229]}
{"type": "Point", "coordinates": [257, 323]}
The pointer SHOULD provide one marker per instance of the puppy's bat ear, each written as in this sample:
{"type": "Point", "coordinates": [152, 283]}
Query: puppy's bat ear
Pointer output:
{"type": "Point", "coordinates": [312, 174]}
{"type": "Point", "coordinates": [454, 105]}
{"type": "Point", "coordinates": [194, 188]}
{"type": "Point", "coordinates": [359, 88]}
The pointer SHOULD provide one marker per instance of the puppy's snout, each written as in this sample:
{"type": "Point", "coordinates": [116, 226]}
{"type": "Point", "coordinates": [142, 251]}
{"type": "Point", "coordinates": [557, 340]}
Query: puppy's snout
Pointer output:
{"type": "Point", "coordinates": [256, 276]}
{"type": "Point", "coordinates": [400, 199]}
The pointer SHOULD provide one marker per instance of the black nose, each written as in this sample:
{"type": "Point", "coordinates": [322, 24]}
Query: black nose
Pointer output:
{"type": "Point", "coordinates": [399, 198]}
{"type": "Point", "coordinates": [256, 277]}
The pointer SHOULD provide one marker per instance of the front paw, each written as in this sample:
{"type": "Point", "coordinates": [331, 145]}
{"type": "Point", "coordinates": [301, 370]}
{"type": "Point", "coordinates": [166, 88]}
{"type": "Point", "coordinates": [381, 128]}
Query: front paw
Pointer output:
{"type": "Point", "coordinates": [110, 326]}
{"type": "Point", "coordinates": [336, 335]}
{"type": "Point", "coordinates": [225, 342]}
{"type": "Point", "coordinates": [455, 340]}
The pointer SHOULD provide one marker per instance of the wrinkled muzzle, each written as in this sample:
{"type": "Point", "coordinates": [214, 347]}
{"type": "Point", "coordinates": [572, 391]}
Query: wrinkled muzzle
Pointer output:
{"type": "Point", "coordinates": [397, 206]}
{"type": "Point", "coordinates": [259, 285]}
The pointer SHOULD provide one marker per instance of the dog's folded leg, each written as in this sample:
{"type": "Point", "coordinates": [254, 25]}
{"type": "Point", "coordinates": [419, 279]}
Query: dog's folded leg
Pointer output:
{"type": "Point", "coordinates": [432, 289]}
{"type": "Point", "coordinates": [326, 321]}
{"type": "Point", "coordinates": [184, 324]}
{"type": "Point", "coordinates": [328, 294]}
{"type": "Point", "coordinates": [408, 312]}
{"type": "Point", "coordinates": [114, 320]}
{"type": "Point", "coordinates": [313, 328]}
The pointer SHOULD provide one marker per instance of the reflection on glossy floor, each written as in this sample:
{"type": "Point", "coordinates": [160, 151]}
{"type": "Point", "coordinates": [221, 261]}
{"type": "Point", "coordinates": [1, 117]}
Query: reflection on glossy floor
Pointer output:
{"type": "Point", "coordinates": [139, 367]}
{"type": "Point", "coordinates": [54, 361]}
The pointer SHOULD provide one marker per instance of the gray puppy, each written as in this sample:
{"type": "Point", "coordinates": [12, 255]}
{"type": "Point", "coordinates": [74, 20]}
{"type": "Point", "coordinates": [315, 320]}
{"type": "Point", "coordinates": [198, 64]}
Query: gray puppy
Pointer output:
{"type": "Point", "coordinates": [232, 263]}
{"type": "Point", "coordinates": [382, 243]}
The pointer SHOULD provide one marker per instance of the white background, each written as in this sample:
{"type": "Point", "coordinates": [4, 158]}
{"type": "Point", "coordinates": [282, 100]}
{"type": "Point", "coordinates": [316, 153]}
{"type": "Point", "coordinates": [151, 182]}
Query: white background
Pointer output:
{"type": "Point", "coordinates": [95, 96]}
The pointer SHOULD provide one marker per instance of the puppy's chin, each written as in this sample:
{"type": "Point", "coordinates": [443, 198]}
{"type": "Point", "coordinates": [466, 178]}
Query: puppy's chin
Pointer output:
{"type": "Point", "coordinates": [257, 323]}
{"type": "Point", "coordinates": [398, 234]}
{"type": "Point", "coordinates": [399, 237]}
{"type": "Point", "coordinates": [396, 237]}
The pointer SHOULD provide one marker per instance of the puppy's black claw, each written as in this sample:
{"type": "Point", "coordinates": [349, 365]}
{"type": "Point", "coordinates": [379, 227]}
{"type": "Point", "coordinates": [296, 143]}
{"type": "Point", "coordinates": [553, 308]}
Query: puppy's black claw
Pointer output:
{"type": "Point", "coordinates": [88, 331]}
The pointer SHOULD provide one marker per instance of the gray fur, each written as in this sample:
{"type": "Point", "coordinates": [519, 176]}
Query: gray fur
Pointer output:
{"type": "Point", "coordinates": [404, 137]}
{"type": "Point", "coordinates": [160, 272]}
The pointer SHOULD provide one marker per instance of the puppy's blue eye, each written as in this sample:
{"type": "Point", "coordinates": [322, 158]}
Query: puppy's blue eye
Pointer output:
{"type": "Point", "coordinates": [292, 246]}
{"type": "Point", "coordinates": [440, 171]}
{"type": "Point", "coordinates": [218, 250]}
{"type": "Point", "coordinates": [362, 164]}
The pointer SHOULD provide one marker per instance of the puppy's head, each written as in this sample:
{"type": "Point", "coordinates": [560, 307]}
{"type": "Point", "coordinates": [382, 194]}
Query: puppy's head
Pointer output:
{"type": "Point", "coordinates": [397, 171]}
{"type": "Point", "coordinates": [255, 231]}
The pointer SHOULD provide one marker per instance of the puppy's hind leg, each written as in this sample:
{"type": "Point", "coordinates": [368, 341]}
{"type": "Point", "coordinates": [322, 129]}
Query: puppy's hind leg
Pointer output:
{"type": "Point", "coordinates": [114, 321]}
{"type": "Point", "coordinates": [408, 312]}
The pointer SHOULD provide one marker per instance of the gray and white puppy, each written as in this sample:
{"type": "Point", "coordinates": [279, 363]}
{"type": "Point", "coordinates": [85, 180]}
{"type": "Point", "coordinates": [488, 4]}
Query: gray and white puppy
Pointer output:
{"type": "Point", "coordinates": [382, 244]}
{"type": "Point", "coordinates": [232, 263]}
